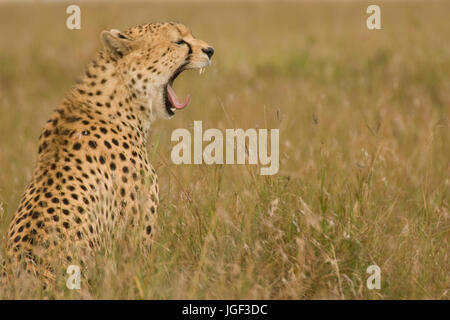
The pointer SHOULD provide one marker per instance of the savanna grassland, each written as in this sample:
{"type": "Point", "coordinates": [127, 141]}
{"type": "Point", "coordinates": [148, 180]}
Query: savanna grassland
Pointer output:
{"type": "Point", "coordinates": [364, 150]}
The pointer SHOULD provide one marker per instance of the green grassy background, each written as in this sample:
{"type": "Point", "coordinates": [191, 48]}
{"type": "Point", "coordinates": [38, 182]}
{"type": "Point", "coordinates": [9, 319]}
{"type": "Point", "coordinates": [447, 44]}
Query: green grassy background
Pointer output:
{"type": "Point", "coordinates": [364, 149]}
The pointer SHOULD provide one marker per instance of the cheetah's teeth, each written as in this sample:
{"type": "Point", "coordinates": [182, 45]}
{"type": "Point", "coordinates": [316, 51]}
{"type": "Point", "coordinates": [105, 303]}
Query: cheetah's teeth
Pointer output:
{"type": "Point", "coordinates": [172, 109]}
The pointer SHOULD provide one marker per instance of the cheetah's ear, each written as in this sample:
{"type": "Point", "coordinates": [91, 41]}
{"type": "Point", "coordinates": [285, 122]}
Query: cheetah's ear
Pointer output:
{"type": "Point", "coordinates": [118, 43]}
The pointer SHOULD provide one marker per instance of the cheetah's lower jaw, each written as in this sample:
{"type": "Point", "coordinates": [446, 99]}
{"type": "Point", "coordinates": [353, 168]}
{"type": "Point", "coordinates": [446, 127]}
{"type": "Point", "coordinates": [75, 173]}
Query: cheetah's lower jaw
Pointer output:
{"type": "Point", "coordinates": [174, 99]}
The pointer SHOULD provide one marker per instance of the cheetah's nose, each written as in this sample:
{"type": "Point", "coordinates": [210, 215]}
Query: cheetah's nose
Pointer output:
{"type": "Point", "coordinates": [209, 51]}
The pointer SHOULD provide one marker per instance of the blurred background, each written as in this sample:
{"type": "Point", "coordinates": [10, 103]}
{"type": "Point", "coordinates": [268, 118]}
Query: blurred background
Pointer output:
{"type": "Point", "coordinates": [364, 146]}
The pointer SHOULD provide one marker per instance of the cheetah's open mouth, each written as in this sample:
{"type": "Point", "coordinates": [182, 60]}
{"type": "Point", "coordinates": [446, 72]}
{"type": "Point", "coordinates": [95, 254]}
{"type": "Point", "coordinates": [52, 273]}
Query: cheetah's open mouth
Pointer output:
{"type": "Point", "coordinates": [171, 99]}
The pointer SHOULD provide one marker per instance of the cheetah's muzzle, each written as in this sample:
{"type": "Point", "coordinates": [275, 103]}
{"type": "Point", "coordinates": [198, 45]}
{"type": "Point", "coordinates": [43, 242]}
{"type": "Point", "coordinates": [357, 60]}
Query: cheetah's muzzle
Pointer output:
{"type": "Point", "coordinates": [170, 97]}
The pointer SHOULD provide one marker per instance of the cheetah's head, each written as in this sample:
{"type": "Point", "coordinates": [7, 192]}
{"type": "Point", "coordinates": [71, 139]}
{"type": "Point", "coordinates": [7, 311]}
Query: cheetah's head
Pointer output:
{"type": "Point", "coordinates": [150, 57]}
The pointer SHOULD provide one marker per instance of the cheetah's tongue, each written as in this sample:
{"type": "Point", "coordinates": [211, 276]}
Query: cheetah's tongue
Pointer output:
{"type": "Point", "coordinates": [174, 99]}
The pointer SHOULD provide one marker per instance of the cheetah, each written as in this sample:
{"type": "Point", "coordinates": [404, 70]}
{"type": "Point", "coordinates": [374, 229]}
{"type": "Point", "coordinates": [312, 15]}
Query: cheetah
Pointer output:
{"type": "Point", "coordinates": [92, 174]}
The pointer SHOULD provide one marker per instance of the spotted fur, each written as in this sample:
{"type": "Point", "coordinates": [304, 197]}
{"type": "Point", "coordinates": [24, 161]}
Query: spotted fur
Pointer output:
{"type": "Point", "coordinates": [92, 175]}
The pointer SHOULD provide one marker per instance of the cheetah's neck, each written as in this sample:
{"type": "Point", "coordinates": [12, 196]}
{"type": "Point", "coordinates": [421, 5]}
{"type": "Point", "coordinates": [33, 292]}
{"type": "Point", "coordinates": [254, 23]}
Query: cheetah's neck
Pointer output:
{"type": "Point", "coordinates": [102, 94]}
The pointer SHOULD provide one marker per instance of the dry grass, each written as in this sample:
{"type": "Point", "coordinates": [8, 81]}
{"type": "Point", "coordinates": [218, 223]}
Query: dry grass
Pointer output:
{"type": "Point", "coordinates": [364, 150]}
